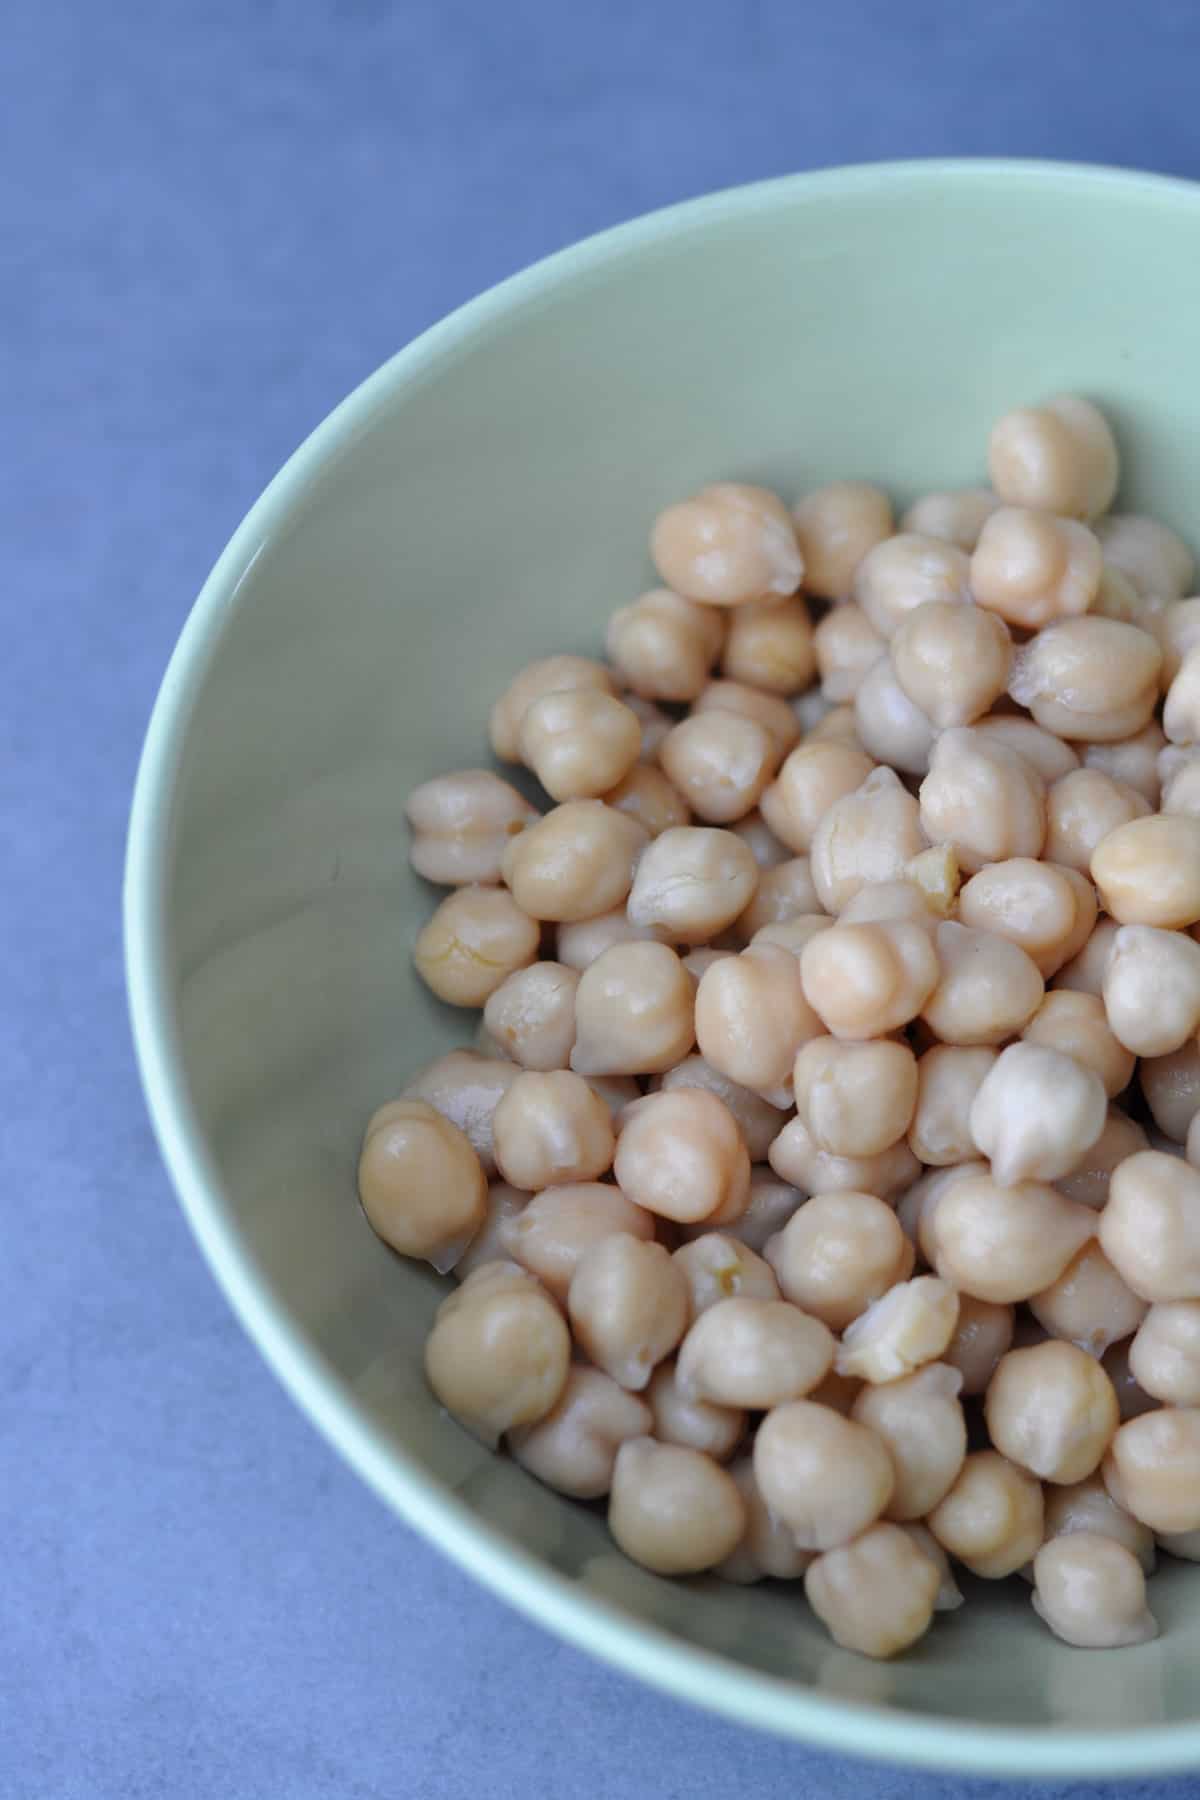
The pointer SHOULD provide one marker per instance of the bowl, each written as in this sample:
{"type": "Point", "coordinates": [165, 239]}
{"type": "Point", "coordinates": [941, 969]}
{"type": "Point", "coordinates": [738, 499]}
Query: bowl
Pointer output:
{"type": "Point", "coordinates": [484, 499]}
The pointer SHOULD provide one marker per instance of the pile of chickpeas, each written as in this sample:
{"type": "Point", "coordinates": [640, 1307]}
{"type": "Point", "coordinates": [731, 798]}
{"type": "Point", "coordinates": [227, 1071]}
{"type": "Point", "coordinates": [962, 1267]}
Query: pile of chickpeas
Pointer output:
{"type": "Point", "coordinates": [822, 1189]}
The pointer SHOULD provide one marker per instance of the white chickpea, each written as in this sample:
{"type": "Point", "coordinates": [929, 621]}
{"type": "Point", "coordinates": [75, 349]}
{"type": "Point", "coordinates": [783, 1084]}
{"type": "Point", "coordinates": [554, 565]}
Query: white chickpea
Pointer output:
{"type": "Point", "coordinates": [466, 1089]}
{"type": "Point", "coordinates": [1060, 457]}
{"type": "Point", "coordinates": [952, 661]}
{"type": "Point", "coordinates": [1171, 1086]}
{"type": "Point", "coordinates": [1031, 567]}
{"type": "Point", "coordinates": [905, 573]}
{"type": "Point", "coordinates": [1049, 755]}
{"type": "Point", "coordinates": [680, 1418]}
{"type": "Point", "coordinates": [988, 988]}
{"type": "Point", "coordinates": [1133, 760]}
{"type": "Point", "coordinates": [1091, 1592]}
{"type": "Point", "coordinates": [770, 645]}
{"type": "Point", "coordinates": [921, 1423]}
{"type": "Point", "coordinates": [772, 1203]}
{"type": "Point", "coordinates": [1089, 1305]}
{"type": "Point", "coordinates": [958, 515]}
{"type": "Point", "coordinates": [1150, 1228]}
{"type": "Point", "coordinates": [753, 1353]}
{"type": "Point", "coordinates": [1164, 1357]}
{"type": "Point", "coordinates": [992, 1518]}
{"type": "Point", "coordinates": [720, 763]}
{"type": "Point", "coordinates": [655, 724]}
{"type": "Point", "coordinates": [1076, 1025]}
{"type": "Point", "coordinates": [1081, 810]}
{"type": "Point", "coordinates": [836, 526]}
{"type": "Point", "coordinates": [575, 862]}
{"type": "Point", "coordinates": [1153, 1468]}
{"type": "Point", "coordinates": [948, 1079]}
{"type": "Point", "coordinates": [551, 1127]}
{"type": "Point", "coordinates": [837, 1253]}
{"type": "Point", "coordinates": [1088, 1506]}
{"type": "Point", "coordinates": [558, 1225]}
{"type": "Point", "coordinates": [864, 981]}
{"type": "Point", "coordinates": [1036, 1113]}
{"type": "Point", "coordinates": [891, 727]}
{"type": "Point", "coordinates": [673, 1510]}
{"type": "Point", "coordinates": [505, 1205]}
{"type": "Point", "coordinates": [949, 1596]}
{"type": "Point", "coordinates": [982, 1336]}
{"type": "Point", "coordinates": [1093, 679]}
{"type": "Point", "coordinates": [758, 1121]}
{"type": "Point", "coordinates": [1006, 1243]}
{"type": "Point", "coordinates": [1180, 772]}
{"type": "Point", "coordinates": [579, 942]}
{"type": "Point", "coordinates": [551, 675]}
{"type": "Point", "coordinates": [876, 1595]}
{"type": "Point", "coordinates": [752, 1016]}
{"type": "Point", "coordinates": [855, 1098]}
{"type": "Point", "coordinates": [1149, 553]}
{"type": "Point", "coordinates": [767, 1547]}
{"type": "Point", "coordinates": [531, 1015]}
{"type": "Point", "coordinates": [847, 646]}
{"type": "Point", "coordinates": [770, 711]}
{"type": "Point", "coordinates": [728, 544]}
{"type": "Point", "coordinates": [462, 824]}
{"type": "Point", "coordinates": [663, 647]}
{"type": "Point", "coordinates": [421, 1184]}
{"type": "Point", "coordinates": [768, 851]}
{"type": "Point", "coordinates": [633, 1012]}
{"type": "Point", "coordinates": [647, 797]}
{"type": "Point", "coordinates": [1051, 1409]}
{"type": "Point", "coordinates": [825, 1477]}
{"type": "Point", "coordinates": [473, 942]}
{"type": "Point", "coordinates": [1152, 989]}
{"type": "Point", "coordinates": [1088, 1181]}
{"type": "Point", "coordinates": [983, 798]}
{"type": "Point", "coordinates": [796, 1159]}
{"type": "Point", "coordinates": [867, 836]}
{"type": "Point", "coordinates": [693, 881]}
{"type": "Point", "coordinates": [1049, 910]}
{"type": "Point", "coordinates": [574, 1448]}
{"type": "Point", "coordinates": [717, 1267]}
{"type": "Point", "coordinates": [499, 1351]}
{"type": "Point", "coordinates": [680, 1154]}
{"type": "Point", "coordinates": [1176, 625]}
{"type": "Point", "coordinates": [628, 1306]}
{"type": "Point", "coordinates": [912, 1324]}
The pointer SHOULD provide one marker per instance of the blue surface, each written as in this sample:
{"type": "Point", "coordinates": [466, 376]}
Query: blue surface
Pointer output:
{"type": "Point", "coordinates": [214, 219]}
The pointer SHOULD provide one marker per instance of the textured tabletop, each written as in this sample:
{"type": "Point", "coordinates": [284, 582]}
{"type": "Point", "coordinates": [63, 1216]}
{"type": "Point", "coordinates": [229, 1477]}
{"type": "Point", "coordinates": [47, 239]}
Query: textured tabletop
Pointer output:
{"type": "Point", "coordinates": [215, 218]}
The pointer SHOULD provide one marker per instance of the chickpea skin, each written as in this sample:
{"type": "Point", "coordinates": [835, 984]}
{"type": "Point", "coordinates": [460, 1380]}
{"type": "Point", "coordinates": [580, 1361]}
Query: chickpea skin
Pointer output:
{"type": "Point", "coordinates": [628, 1307]}
{"type": "Point", "coordinates": [558, 1225]}
{"type": "Point", "coordinates": [1150, 1228]}
{"type": "Point", "coordinates": [1148, 872]}
{"type": "Point", "coordinates": [767, 1547]}
{"type": "Point", "coordinates": [498, 1353]}
{"type": "Point", "coordinates": [466, 1088]}
{"type": "Point", "coordinates": [992, 1518]}
{"type": "Point", "coordinates": [663, 647]}
{"type": "Point", "coordinates": [579, 942]}
{"type": "Point", "coordinates": [876, 1595]}
{"type": "Point", "coordinates": [680, 1155]}
{"type": "Point", "coordinates": [575, 862]}
{"type": "Point", "coordinates": [505, 1205]}
{"type": "Point", "coordinates": [921, 1423]}
{"type": "Point", "coordinates": [673, 1510]}
{"type": "Point", "coordinates": [1133, 760]}
{"type": "Point", "coordinates": [836, 526]}
{"type": "Point", "coordinates": [855, 1098]}
{"type": "Point", "coordinates": [827, 1478]}
{"type": "Point", "coordinates": [728, 544]}
{"type": "Point", "coordinates": [1060, 457]}
{"type": "Point", "coordinates": [633, 1012]}
{"type": "Point", "coordinates": [837, 1253]}
{"type": "Point", "coordinates": [693, 881]}
{"type": "Point", "coordinates": [1036, 1113]}
{"type": "Point", "coordinates": [1030, 567]}
{"type": "Point", "coordinates": [1091, 1592]}
{"type": "Point", "coordinates": [1171, 1086]}
{"type": "Point", "coordinates": [550, 1128]}
{"type": "Point", "coordinates": [771, 711]}
{"type": "Point", "coordinates": [1041, 749]}
{"type": "Point", "coordinates": [758, 1121]}
{"type": "Point", "coordinates": [796, 1158]}
{"type": "Point", "coordinates": [574, 1448]}
{"type": "Point", "coordinates": [648, 798]}
{"type": "Point", "coordinates": [770, 645]}
{"type": "Point", "coordinates": [579, 743]}
{"type": "Point", "coordinates": [1088, 1506]}
{"type": "Point", "coordinates": [462, 824]}
{"type": "Point", "coordinates": [1089, 1180]}
{"type": "Point", "coordinates": [1153, 1468]}
{"type": "Point", "coordinates": [891, 727]}
{"type": "Point", "coordinates": [752, 1016]}
{"type": "Point", "coordinates": [753, 1353]}
{"type": "Point", "coordinates": [553, 674]}
{"type": "Point", "coordinates": [1051, 1409]}
{"type": "Point", "coordinates": [1081, 810]}
{"type": "Point", "coordinates": [948, 1078]}
{"type": "Point", "coordinates": [476, 939]}
{"type": "Point", "coordinates": [421, 1184]}
{"type": "Point", "coordinates": [1050, 912]}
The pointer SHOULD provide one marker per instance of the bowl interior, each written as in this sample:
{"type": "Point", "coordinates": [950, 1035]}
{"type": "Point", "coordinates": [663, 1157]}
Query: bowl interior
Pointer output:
{"type": "Point", "coordinates": [485, 500]}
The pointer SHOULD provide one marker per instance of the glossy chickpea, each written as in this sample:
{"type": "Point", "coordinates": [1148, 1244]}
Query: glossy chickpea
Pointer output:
{"type": "Point", "coordinates": [904, 899]}
{"type": "Point", "coordinates": [811, 779]}
{"type": "Point", "coordinates": [906, 573]}
{"type": "Point", "coordinates": [552, 674]}
{"type": "Point", "coordinates": [1049, 910]}
{"type": "Point", "coordinates": [729, 543]}
{"type": "Point", "coordinates": [948, 1079]}
{"type": "Point", "coordinates": [466, 1088]}
{"type": "Point", "coordinates": [752, 1017]}
{"type": "Point", "coordinates": [890, 726]}
{"type": "Point", "coordinates": [1148, 872]}
{"type": "Point", "coordinates": [984, 799]}
{"type": "Point", "coordinates": [693, 881]}
{"type": "Point", "coordinates": [855, 1098]}
{"type": "Point", "coordinates": [770, 711]}
{"type": "Point", "coordinates": [1081, 810]}
{"type": "Point", "coordinates": [864, 981]}
{"type": "Point", "coordinates": [499, 1351]}
{"type": "Point", "coordinates": [1051, 1409]}
{"type": "Point", "coordinates": [717, 1267]}
{"type": "Point", "coordinates": [846, 646]}
{"type": "Point", "coordinates": [912, 1324]}
{"type": "Point", "coordinates": [462, 824]}
{"type": "Point", "coordinates": [693, 1424]}
{"type": "Point", "coordinates": [827, 1478]}
{"type": "Point", "coordinates": [920, 1422]}
{"type": "Point", "coordinates": [551, 1128]}
{"type": "Point", "coordinates": [792, 934]}
{"type": "Point", "coordinates": [574, 1448]}
{"type": "Point", "coordinates": [1088, 1506]}
{"type": "Point", "coordinates": [957, 515]}
{"type": "Point", "coordinates": [1006, 1243]}
{"type": "Point", "coordinates": [531, 1015]}
{"type": "Point", "coordinates": [1030, 567]}
{"type": "Point", "coordinates": [770, 646]}
{"type": "Point", "coordinates": [1089, 1305]}
{"type": "Point", "coordinates": [992, 1518]}
{"type": "Point", "coordinates": [797, 1159]}
{"type": "Point", "coordinates": [784, 892]}
{"type": "Point", "coordinates": [421, 1184]}
{"type": "Point", "coordinates": [758, 1121]}
{"type": "Point", "coordinates": [952, 661]}
{"type": "Point", "coordinates": [1076, 1025]}
{"type": "Point", "coordinates": [916, 1209]}
{"type": "Point", "coordinates": [579, 942]}
{"type": "Point", "coordinates": [505, 1205]}
{"type": "Point", "coordinates": [1181, 710]}
{"type": "Point", "coordinates": [836, 526]}
{"type": "Point", "coordinates": [663, 647]}
{"type": "Point", "coordinates": [983, 1335]}
{"type": "Point", "coordinates": [575, 862]}
{"type": "Point", "coordinates": [767, 1548]}
{"type": "Point", "coordinates": [680, 1154]}
{"type": "Point", "coordinates": [554, 1230]}
{"type": "Point", "coordinates": [876, 1595]}
{"type": "Point", "coordinates": [1084, 974]}
{"type": "Point", "coordinates": [720, 764]}
{"type": "Point", "coordinates": [1091, 1592]}
{"type": "Point", "coordinates": [477, 937]}
{"type": "Point", "coordinates": [628, 1306]}
{"type": "Point", "coordinates": [1036, 1113]}
{"type": "Point", "coordinates": [633, 1012]}
{"type": "Point", "coordinates": [987, 987]}
{"type": "Point", "coordinates": [838, 1253]}
{"type": "Point", "coordinates": [673, 1510]}
{"type": "Point", "coordinates": [1091, 679]}
{"type": "Point", "coordinates": [1150, 1228]}
{"type": "Point", "coordinates": [1155, 559]}
{"type": "Point", "coordinates": [1049, 755]}
{"type": "Point", "coordinates": [579, 743]}
{"type": "Point", "coordinates": [1164, 1357]}
{"type": "Point", "coordinates": [1060, 457]}
{"type": "Point", "coordinates": [836, 725]}
{"type": "Point", "coordinates": [1152, 989]}
{"type": "Point", "coordinates": [867, 836]}
{"type": "Point", "coordinates": [1171, 1086]}
{"type": "Point", "coordinates": [1088, 1181]}
{"type": "Point", "coordinates": [755, 1353]}
{"type": "Point", "coordinates": [647, 797]}
{"type": "Point", "coordinates": [1153, 1468]}
{"type": "Point", "coordinates": [1133, 760]}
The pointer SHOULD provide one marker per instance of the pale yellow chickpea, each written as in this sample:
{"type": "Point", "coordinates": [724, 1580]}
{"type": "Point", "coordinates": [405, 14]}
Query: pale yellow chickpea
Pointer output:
{"type": "Point", "coordinates": [680, 1155]}
{"type": "Point", "coordinates": [948, 1078]}
{"type": "Point", "coordinates": [1180, 772]}
{"type": "Point", "coordinates": [876, 1595]}
{"type": "Point", "coordinates": [663, 647]}
{"type": "Point", "coordinates": [655, 724]}
{"type": "Point", "coordinates": [867, 836]}
{"type": "Point", "coordinates": [949, 1595]}
{"type": "Point", "coordinates": [908, 572]}
{"type": "Point", "coordinates": [1091, 1592]}
{"type": "Point", "coordinates": [1036, 1113]}
{"type": "Point", "coordinates": [836, 526]}
{"type": "Point", "coordinates": [728, 544]}
{"type": "Point", "coordinates": [1082, 808]}
{"type": "Point", "coordinates": [633, 1012]}
{"type": "Point", "coordinates": [812, 777]}
{"type": "Point", "coordinates": [982, 798]}
{"type": "Point", "coordinates": [1132, 1401]}
{"type": "Point", "coordinates": [772, 1203]}
{"type": "Point", "coordinates": [1060, 457]}
{"type": "Point", "coordinates": [1091, 679]}
{"type": "Point", "coordinates": [531, 1015]}
{"type": "Point", "coordinates": [1076, 1025]}
{"type": "Point", "coordinates": [825, 1477]}
{"type": "Point", "coordinates": [1088, 1181]}
{"type": "Point", "coordinates": [751, 1017]}
{"type": "Point", "coordinates": [767, 1547]}
{"type": "Point", "coordinates": [1164, 1357]}
{"type": "Point", "coordinates": [1006, 1243]}
{"type": "Point", "coordinates": [1150, 1228]}
{"type": "Point", "coordinates": [552, 674]}
{"type": "Point", "coordinates": [574, 1448]}
{"type": "Point", "coordinates": [855, 1098]}
{"type": "Point", "coordinates": [575, 862]}
{"type": "Point", "coordinates": [784, 892]}
{"type": "Point", "coordinates": [673, 1510]}
{"type": "Point", "coordinates": [916, 1208]}
{"type": "Point", "coordinates": [1048, 909]}
{"type": "Point", "coordinates": [1084, 974]}
{"type": "Point", "coordinates": [1051, 1409]}
{"type": "Point", "coordinates": [1049, 755]}
{"type": "Point", "coordinates": [1133, 760]}
{"type": "Point", "coordinates": [921, 1423]}
{"type": "Point", "coordinates": [912, 1324]}
{"type": "Point", "coordinates": [473, 942]}
{"type": "Point", "coordinates": [837, 1253]}
{"type": "Point", "coordinates": [551, 1127]}
{"type": "Point", "coordinates": [579, 743]}
{"type": "Point", "coordinates": [952, 661]}
{"type": "Point", "coordinates": [754, 1353]}
{"type": "Point", "coordinates": [1153, 1468]}
{"type": "Point", "coordinates": [1089, 1305]}
{"type": "Point", "coordinates": [982, 1336]}
{"type": "Point", "coordinates": [758, 1121]}
{"type": "Point", "coordinates": [766, 848]}
{"type": "Point", "coordinates": [957, 514]}
{"type": "Point", "coordinates": [1152, 989]}
{"type": "Point", "coordinates": [1156, 560]}
{"type": "Point", "coordinates": [628, 1306]}
{"type": "Point", "coordinates": [890, 726]}
{"type": "Point", "coordinates": [847, 646]}
{"type": "Point", "coordinates": [1030, 567]}
{"type": "Point", "coordinates": [650, 799]}
{"type": "Point", "coordinates": [1088, 1506]}
{"type": "Point", "coordinates": [1171, 1086]}
{"type": "Point", "coordinates": [987, 988]}
{"type": "Point", "coordinates": [421, 1184]}
{"type": "Point", "coordinates": [770, 711]}
{"type": "Point", "coordinates": [579, 942]}
{"type": "Point", "coordinates": [992, 1518]}
{"type": "Point", "coordinates": [680, 1418]}
{"type": "Point", "coordinates": [1176, 625]}
{"type": "Point", "coordinates": [499, 1351]}
{"type": "Point", "coordinates": [505, 1205]}
{"type": "Point", "coordinates": [462, 824]}
{"type": "Point", "coordinates": [553, 1231]}
{"type": "Point", "coordinates": [770, 645]}
{"type": "Point", "coordinates": [466, 1088]}
{"type": "Point", "coordinates": [717, 1267]}
{"type": "Point", "coordinates": [720, 763]}
{"type": "Point", "coordinates": [693, 881]}
{"type": "Point", "coordinates": [865, 981]}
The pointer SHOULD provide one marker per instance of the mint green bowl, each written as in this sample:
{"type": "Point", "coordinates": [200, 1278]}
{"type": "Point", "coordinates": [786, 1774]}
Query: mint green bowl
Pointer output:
{"type": "Point", "coordinates": [485, 499]}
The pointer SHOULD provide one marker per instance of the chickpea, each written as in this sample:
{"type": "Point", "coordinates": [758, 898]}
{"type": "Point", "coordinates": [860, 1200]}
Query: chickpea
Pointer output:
{"type": "Point", "coordinates": [1181, 712]}
{"type": "Point", "coordinates": [876, 1595]}
{"type": "Point", "coordinates": [958, 515]}
{"type": "Point", "coordinates": [916, 1208]}
{"type": "Point", "coordinates": [1088, 1506]}
{"type": "Point", "coordinates": [812, 778]}
{"type": "Point", "coordinates": [836, 726]}
{"type": "Point", "coordinates": [579, 743]}
{"type": "Point", "coordinates": [1150, 1229]}
{"type": "Point", "coordinates": [953, 661]}
{"type": "Point", "coordinates": [988, 987]}
{"type": "Point", "coordinates": [1092, 679]}
{"type": "Point", "coordinates": [475, 939]}
{"type": "Point", "coordinates": [772, 1203]}
{"type": "Point", "coordinates": [752, 1016]}
{"type": "Point", "coordinates": [717, 1267]}
{"type": "Point", "coordinates": [648, 798]}
{"type": "Point", "coordinates": [693, 1424]}
{"type": "Point", "coordinates": [758, 1121]}
{"type": "Point", "coordinates": [550, 1127]}
{"type": "Point", "coordinates": [531, 1015]}
{"type": "Point", "coordinates": [838, 1392]}
{"type": "Point", "coordinates": [1164, 1357]}
{"type": "Point", "coordinates": [847, 646]}
{"type": "Point", "coordinates": [906, 899]}
{"type": "Point", "coordinates": [466, 1089]}
{"type": "Point", "coordinates": [673, 1510]}
{"type": "Point", "coordinates": [784, 892]}
{"type": "Point", "coordinates": [992, 1518]}
{"type": "Point", "coordinates": [855, 1098]}
{"type": "Point", "coordinates": [1132, 760]}
{"type": "Point", "coordinates": [757, 707]}
{"type": "Point", "coordinates": [1180, 771]}
{"type": "Point", "coordinates": [553, 674]}
{"type": "Point", "coordinates": [1006, 1243]}
{"type": "Point", "coordinates": [1084, 974]}
{"type": "Point", "coordinates": [921, 1424]}
{"type": "Point", "coordinates": [1176, 625]}
{"type": "Point", "coordinates": [462, 824]}
{"type": "Point", "coordinates": [949, 1596]}
{"type": "Point", "coordinates": [728, 544]}
{"type": "Point", "coordinates": [558, 1225]}
{"type": "Point", "coordinates": [891, 727]}
{"type": "Point", "coordinates": [1036, 1113]}
{"type": "Point", "coordinates": [1075, 1024]}
{"type": "Point", "coordinates": [1051, 1409]}
{"type": "Point", "coordinates": [826, 1478]}
{"type": "Point", "coordinates": [421, 1184]}
{"type": "Point", "coordinates": [696, 962]}
{"type": "Point", "coordinates": [1152, 989]}
{"type": "Point", "coordinates": [720, 763]}
{"type": "Point", "coordinates": [1088, 1181]}
{"type": "Point", "coordinates": [1150, 554]}
{"type": "Point", "coordinates": [837, 1253]}
{"type": "Point", "coordinates": [1171, 1086]}
{"type": "Point", "coordinates": [1081, 810]}
{"type": "Point", "coordinates": [663, 647]}
{"type": "Point", "coordinates": [1089, 1305]}
{"type": "Point", "coordinates": [948, 1078]}
{"type": "Point", "coordinates": [867, 836]}
{"type": "Point", "coordinates": [910, 1325]}
{"type": "Point", "coordinates": [792, 934]}
{"type": "Point", "coordinates": [906, 573]}
{"type": "Point", "coordinates": [633, 1012]}
{"type": "Point", "coordinates": [1049, 911]}
{"type": "Point", "coordinates": [770, 645]}
{"type": "Point", "coordinates": [628, 1306]}
{"type": "Point", "coordinates": [1060, 457]}
{"type": "Point", "coordinates": [655, 724]}
{"type": "Point", "coordinates": [1031, 568]}
{"type": "Point", "coordinates": [836, 526]}
{"type": "Point", "coordinates": [795, 1158]}
{"type": "Point", "coordinates": [982, 1336]}
{"type": "Point", "coordinates": [498, 1353]}
{"type": "Point", "coordinates": [864, 981]}
{"type": "Point", "coordinates": [1153, 1468]}
{"type": "Point", "coordinates": [1041, 749]}
{"type": "Point", "coordinates": [579, 942]}
{"type": "Point", "coordinates": [1132, 1402]}
{"type": "Point", "coordinates": [574, 1448]}
{"type": "Point", "coordinates": [984, 799]}
{"type": "Point", "coordinates": [767, 850]}
{"type": "Point", "coordinates": [505, 1205]}
{"type": "Point", "coordinates": [575, 862]}
{"type": "Point", "coordinates": [693, 881]}
{"type": "Point", "coordinates": [767, 1547]}
{"type": "Point", "coordinates": [1091, 1592]}
{"type": "Point", "coordinates": [681, 1155]}
{"type": "Point", "coordinates": [756, 1353]}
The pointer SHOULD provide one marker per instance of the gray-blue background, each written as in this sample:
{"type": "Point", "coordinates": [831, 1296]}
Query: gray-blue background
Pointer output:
{"type": "Point", "coordinates": [214, 220]}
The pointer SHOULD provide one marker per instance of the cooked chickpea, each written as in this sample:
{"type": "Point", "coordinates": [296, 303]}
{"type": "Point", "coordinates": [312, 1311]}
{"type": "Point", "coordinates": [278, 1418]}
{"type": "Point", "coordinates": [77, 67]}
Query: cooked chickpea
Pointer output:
{"type": "Point", "coordinates": [767, 1547]}
{"type": "Point", "coordinates": [916, 1208]}
{"type": "Point", "coordinates": [752, 1016]}
{"type": "Point", "coordinates": [663, 647]}
{"type": "Point", "coordinates": [1152, 989]}
{"type": "Point", "coordinates": [551, 675]}
{"type": "Point", "coordinates": [855, 1098]}
{"type": "Point", "coordinates": [693, 881]}
{"type": "Point", "coordinates": [957, 515]}
{"type": "Point", "coordinates": [906, 899]}
{"type": "Point", "coordinates": [770, 645]}
{"type": "Point", "coordinates": [772, 1203]}
{"type": "Point", "coordinates": [1176, 625]}
{"type": "Point", "coordinates": [796, 1158]}
{"type": "Point", "coordinates": [867, 836]}
{"type": "Point", "coordinates": [648, 798]}
{"type": "Point", "coordinates": [876, 1595]}
{"type": "Point", "coordinates": [1091, 1592]}
{"type": "Point", "coordinates": [1132, 760]}
{"type": "Point", "coordinates": [1036, 1113]}
{"type": "Point", "coordinates": [1164, 1357]}
{"type": "Point", "coordinates": [1171, 1086]}
{"type": "Point", "coordinates": [767, 850]}
{"type": "Point", "coordinates": [575, 862]}
{"type": "Point", "coordinates": [813, 776]}
{"type": "Point", "coordinates": [982, 798]}
{"type": "Point", "coordinates": [949, 1596]}
{"type": "Point", "coordinates": [953, 661]}
{"type": "Point", "coordinates": [891, 727]}
{"type": "Point", "coordinates": [1089, 1305]}
{"type": "Point", "coordinates": [473, 942]}
{"type": "Point", "coordinates": [1006, 1243]}
{"type": "Point", "coordinates": [836, 526]}
{"type": "Point", "coordinates": [1031, 567]}
{"type": "Point", "coordinates": [499, 1351]}
{"type": "Point", "coordinates": [698, 962]}
{"type": "Point", "coordinates": [1132, 1402]}
{"type": "Point", "coordinates": [717, 1267]}
{"type": "Point", "coordinates": [692, 1423]}
{"type": "Point", "coordinates": [756, 1353]}
{"type": "Point", "coordinates": [574, 1448]}
{"type": "Point", "coordinates": [680, 1154]}
{"type": "Point", "coordinates": [1051, 1409]}
{"type": "Point", "coordinates": [1049, 910]}
{"type": "Point", "coordinates": [1088, 1506]}
{"type": "Point", "coordinates": [551, 1127]}
{"type": "Point", "coordinates": [728, 544]}
{"type": "Point", "coordinates": [784, 892]}
{"type": "Point", "coordinates": [1093, 679]}
{"type": "Point", "coordinates": [758, 1121]}
{"type": "Point", "coordinates": [838, 1392]}
{"type": "Point", "coordinates": [910, 1325]}
{"type": "Point", "coordinates": [948, 1079]}
{"type": "Point", "coordinates": [1149, 553]}
{"type": "Point", "coordinates": [1181, 711]}
{"type": "Point", "coordinates": [847, 646]}
{"type": "Point", "coordinates": [1076, 1025]}
{"type": "Point", "coordinates": [906, 573]}
{"type": "Point", "coordinates": [792, 934]}
{"type": "Point", "coordinates": [505, 1205]}
{"type": "Point", "coordinates": [531, 1015]}
{"type": "Point", "coordinates": [579, 743]}
{"type": "Point", "coordinates": [1060, 457]}
{"type": "Point", "coordinates": [1150, 1228]}
{"type": "Point", "coordinates": [558, 1225]}
{"type": "Point", "coordinates": [825, 1477]}
{"type": "Point", "coordinates": [1084, 974]}
{"type": "Point", "coordinates": [628, 1306]}
{"type": "Point", "coordinates": [920, 1422]}
{"type": "Point", "coordinates": [988, 988]}
{"type": "Point", "coordinates": [1049, 755]}
{"type": "Point", "coordinates": [773, 713]}
{"type": "Point", "coordinates": [836, 725]}
{"type": "Point", "coordinates": [1153, 1468]}
{"type": "Point", "coordinates": [837, 1253]}
{"type": "Point", "coordinates": [633, 1012]}
{"type": "Point", "coordinates": [421, 1184]}
{"type": "Point", "coordinates": [982, 1336]}
{"type": "Point", "coordinates": [1180, 771]}
{"type": "Point", "coordinates": [655, 724]}
{"type": "Point", "coordinates": [466, 1089]}
{"type": "Point", "coordinates": [864, 981]}
{"type": "Point", "coordinates": [579, 942]}
{"type": "Point", "coordinates": [1081, 810]}
{"type": "Point", "coordinates": [992, 1518]}
{"type": "Point", "coordinates": [462, 824]}
{"type": "Point", "coordinates": [673, 1510]}
{"type": "Point", "coordinates": [720, 763]}
{"type": "Point", "coordinates": [1088, 1181]}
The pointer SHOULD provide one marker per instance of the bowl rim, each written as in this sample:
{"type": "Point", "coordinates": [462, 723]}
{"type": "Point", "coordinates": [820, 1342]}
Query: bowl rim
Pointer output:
{"type": "Point", "coordinates": [584, 1619]}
